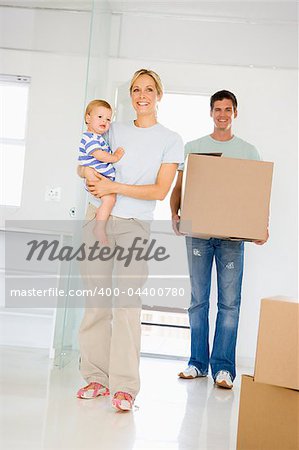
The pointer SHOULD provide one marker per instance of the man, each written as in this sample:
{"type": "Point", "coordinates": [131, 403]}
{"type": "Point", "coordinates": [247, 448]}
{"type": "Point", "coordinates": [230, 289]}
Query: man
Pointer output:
{"type": "Point", "coordinates": [228, 257]}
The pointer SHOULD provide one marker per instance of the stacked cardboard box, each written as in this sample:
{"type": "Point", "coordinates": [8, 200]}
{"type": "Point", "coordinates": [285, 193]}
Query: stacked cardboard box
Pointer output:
{"type": "Point", "coordinates": [225, 198]}
{"type": "Point", "coordinates": [269, 403]}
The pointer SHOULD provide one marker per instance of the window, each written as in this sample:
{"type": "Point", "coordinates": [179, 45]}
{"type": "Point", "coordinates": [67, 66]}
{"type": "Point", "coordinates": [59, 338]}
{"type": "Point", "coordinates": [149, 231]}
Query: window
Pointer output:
{"type": "Point", "coordinates": [188, 115]}
{"type": "Point", "coordinates": [14, 92]}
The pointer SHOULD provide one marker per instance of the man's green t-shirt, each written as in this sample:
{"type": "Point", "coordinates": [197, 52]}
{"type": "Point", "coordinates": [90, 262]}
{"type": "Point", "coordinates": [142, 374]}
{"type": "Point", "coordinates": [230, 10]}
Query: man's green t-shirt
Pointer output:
{"type": "Point", "coordinates": [234, 148]}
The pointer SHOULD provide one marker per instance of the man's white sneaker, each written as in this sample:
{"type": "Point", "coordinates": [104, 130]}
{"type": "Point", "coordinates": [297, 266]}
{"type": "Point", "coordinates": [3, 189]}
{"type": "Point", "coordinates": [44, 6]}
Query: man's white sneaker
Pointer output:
{"type": "Point", "coordinates": [223, 379]}
{"type": "Point", "coordinates": [191, 372]}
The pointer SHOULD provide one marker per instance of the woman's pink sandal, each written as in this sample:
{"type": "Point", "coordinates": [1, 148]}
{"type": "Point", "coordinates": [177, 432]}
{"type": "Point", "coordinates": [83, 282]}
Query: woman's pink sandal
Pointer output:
{"type": "Point", "coordinates": [122, 401]}
{"type": "Point", "coordinates": [93, 390]}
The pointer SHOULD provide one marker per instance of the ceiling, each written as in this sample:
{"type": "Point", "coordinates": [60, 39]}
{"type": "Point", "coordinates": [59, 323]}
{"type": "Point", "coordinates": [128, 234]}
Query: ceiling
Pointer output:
{"type": "Point", "coordinates": [250, 10]}
{"type": "Point", "coordinates": [254, 10]}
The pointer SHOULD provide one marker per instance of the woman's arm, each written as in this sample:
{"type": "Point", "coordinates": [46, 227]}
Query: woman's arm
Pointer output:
{"type": "Point", "coordinates": [157, 191]}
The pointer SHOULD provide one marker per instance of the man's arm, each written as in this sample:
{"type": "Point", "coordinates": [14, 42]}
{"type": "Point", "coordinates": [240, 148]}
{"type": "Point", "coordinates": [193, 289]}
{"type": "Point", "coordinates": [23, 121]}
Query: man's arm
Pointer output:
{"type": "Point", "coordinates": [175, 203]}
{"type": "Point", "coordinates": [157, 191]}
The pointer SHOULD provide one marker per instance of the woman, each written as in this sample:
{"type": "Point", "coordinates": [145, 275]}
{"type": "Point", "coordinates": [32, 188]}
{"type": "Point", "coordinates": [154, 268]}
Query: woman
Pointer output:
{"type": "Point", "coordinates": [110, 354]}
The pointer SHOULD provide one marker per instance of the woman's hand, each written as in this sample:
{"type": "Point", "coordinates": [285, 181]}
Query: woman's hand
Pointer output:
{"type": "Point", "coordinates": [102, 186]}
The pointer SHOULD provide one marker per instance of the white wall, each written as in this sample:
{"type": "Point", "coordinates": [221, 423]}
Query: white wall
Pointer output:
{"type": "Point", "coordinates": [52, 48]}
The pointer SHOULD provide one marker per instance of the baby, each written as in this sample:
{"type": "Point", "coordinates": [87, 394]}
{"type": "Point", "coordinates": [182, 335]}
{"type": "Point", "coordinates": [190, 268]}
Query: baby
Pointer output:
{"type": "Point", "coordinates": [95, 152]}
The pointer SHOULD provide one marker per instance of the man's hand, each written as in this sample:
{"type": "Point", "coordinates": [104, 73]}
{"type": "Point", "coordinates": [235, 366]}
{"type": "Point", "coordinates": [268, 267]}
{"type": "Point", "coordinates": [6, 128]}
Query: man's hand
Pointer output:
{"type": "Point", "coordinates": [262, 242]}
{"type": "Point", "coordinates": [175, 224]}
{"type": "Point", "coordinates": [175, 203]}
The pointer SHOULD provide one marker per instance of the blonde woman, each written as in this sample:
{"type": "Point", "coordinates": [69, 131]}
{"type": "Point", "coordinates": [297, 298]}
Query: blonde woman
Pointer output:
{"type": "Point", "coordinates": [110, 337]}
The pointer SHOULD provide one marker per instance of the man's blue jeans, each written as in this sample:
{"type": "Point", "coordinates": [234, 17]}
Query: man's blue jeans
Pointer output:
{"type": "Point", "coordinates": [229, 257]}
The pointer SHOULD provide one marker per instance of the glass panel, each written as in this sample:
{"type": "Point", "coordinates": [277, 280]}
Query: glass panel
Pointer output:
{"type": "Point", "coordinates": [68, 316]}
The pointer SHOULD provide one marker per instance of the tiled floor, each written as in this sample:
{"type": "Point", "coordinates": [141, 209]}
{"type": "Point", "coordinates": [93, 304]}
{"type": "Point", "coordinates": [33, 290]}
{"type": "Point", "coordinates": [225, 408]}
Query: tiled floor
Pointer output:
{"type": "Point", "coordinates": [39, 409]}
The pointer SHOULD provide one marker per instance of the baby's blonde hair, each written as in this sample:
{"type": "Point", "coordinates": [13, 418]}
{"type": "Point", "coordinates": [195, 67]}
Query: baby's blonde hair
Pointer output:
{"type": "Point", "coordinates": [151, 73]}
{"type": "Point", "coordinates": [94, 104]}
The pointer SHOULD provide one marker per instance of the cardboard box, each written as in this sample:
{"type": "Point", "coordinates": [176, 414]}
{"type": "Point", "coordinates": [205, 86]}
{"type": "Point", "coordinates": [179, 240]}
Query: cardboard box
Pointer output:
{"type": "Point", "coordinates": [225, 197]}
{"type": "Point", "coordinates": [277, 353]}
{"type": "Point", "coordinates": [268, 417]}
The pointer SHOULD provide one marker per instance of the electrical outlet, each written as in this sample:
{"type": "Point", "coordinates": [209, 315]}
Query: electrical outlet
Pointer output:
{"type": "Point", "coordinates": [53, 194]}
{"type": "Point", "coordinates": [72, 212]}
